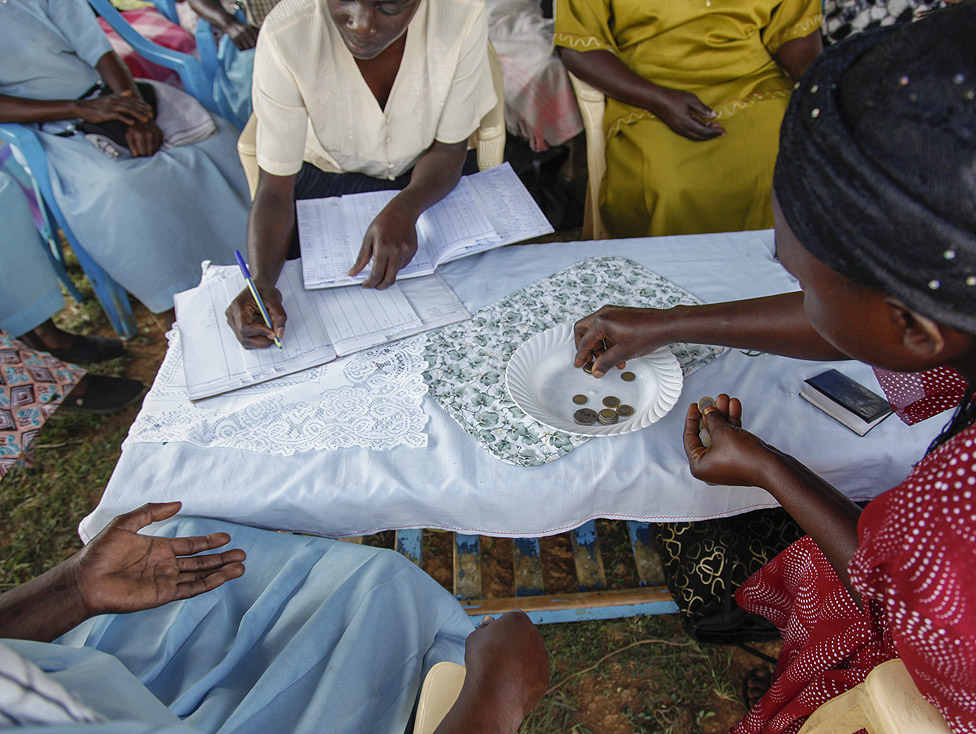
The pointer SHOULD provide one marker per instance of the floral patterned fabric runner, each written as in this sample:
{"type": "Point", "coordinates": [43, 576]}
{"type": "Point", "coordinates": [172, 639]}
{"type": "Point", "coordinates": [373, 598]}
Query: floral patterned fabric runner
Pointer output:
{"type": "Point", "coordinates": [467, 361]}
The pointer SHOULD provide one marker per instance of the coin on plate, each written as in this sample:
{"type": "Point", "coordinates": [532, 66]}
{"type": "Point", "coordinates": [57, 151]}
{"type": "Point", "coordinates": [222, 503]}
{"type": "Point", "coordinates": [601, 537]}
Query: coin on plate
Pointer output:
{"type": "Point", "coordinates": [588, 368]}
{"type": "Point", "coordinates": [625, 411]}
{"type": "Point", "coordinates": [580, 399]}
{"type": "Point", "coordinates": [628, 377]}
{"type": "Point", "coordinates": [585, 416]}
{"type": "Point", "coordinates": [611, 401]}
{"type": "Point", "coordinates": [608, 416]}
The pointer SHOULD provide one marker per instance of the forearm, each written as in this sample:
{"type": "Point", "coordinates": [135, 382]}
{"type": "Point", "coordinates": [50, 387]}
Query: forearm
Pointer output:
{"type": "Point", "coordinates": [212, 12]}
{"type": "Point", "coordinates": [478, 711]}
{"type": "Point", "coordinates": [22, 110]}
{"type": "Point", "coordinates": [605, 71]}
{"type": "Point", "coordinates": [434, 176]}
{"type": "Point", "coordinates": [775, 324]}
{"type": "Point", "coordinates": [116, 75]}
{"type": "Point", "coordinates": [44, 608]}
{"type": "Point", "coordinates": [270, 228]}
{"type": "Point", "coordinates": [824, 513]}
{"type": "Point", "coordinates": [796, 55]}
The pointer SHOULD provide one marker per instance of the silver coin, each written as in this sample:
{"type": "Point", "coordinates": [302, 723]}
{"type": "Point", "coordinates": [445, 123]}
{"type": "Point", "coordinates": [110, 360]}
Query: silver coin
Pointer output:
{"type": "Point", "coordinates": [580, 399]}
{"type": "Point", "coordinates": [611, 401]}
{"type": "Point", "coordinates": [705, 402]}
{"type": "Point", "coordinates": [705, 437]}
{"type": "Point", "coordinates": [625, 411]}
{"type": "Point", "coordinates": [608, 416]}
{"type": "Point", "coordinates": [585, 416]}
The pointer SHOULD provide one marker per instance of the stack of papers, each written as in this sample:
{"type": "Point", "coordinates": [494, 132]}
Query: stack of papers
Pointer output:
{"type": "Point", "coordinates": [485, 210]}
{"type": "Point", "coordinates": [322, 325]}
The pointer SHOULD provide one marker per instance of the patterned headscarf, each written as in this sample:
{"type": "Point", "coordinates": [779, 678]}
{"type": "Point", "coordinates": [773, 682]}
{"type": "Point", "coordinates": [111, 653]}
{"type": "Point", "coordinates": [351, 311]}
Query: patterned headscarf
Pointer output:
{"type": "Point", "coordinates": [876, 173]}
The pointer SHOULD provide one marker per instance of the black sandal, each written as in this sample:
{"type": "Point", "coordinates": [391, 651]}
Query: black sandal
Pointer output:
{"type": "Point", "coordinates": [755, 685]}
{"type": "Point", "coordinates": [103, 395]}
{"type": "Point", "coordinates": [89, 349]}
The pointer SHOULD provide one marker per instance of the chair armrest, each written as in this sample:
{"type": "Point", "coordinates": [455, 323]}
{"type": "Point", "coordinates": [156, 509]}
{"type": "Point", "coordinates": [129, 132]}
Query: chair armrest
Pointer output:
{"type": "Point", "coordinates": [440, 690]}
{"type": "Point", "coordinates": [188, 67]}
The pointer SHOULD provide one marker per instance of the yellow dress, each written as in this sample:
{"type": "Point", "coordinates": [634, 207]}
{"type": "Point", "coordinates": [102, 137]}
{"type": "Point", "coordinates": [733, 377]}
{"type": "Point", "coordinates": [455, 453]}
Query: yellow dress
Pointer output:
{"type": "Point", "coordinates": [658, 182]}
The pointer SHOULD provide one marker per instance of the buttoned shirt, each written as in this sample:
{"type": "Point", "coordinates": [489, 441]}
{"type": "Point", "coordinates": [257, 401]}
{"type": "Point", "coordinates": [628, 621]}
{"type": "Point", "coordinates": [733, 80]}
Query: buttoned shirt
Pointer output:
{"type": "Point", "coordinates": [313, 104]}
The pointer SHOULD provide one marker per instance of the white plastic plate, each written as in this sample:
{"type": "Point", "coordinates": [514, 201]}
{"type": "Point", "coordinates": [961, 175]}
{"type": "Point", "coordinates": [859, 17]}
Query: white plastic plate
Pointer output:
{"type": "Point", "coordinates": [542, 381]}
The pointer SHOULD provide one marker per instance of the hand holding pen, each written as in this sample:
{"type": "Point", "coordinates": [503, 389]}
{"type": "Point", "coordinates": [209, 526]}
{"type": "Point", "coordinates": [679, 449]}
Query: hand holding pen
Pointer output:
{"type": "Point", "coordinates": [256, 315]}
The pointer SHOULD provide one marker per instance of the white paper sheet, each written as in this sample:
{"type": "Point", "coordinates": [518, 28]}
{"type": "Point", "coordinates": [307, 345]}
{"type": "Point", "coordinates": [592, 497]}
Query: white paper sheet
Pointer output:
{"type": "Point", "coordinates": [485, 210]}
{"type": "Point", "coordinates": [321, 325]}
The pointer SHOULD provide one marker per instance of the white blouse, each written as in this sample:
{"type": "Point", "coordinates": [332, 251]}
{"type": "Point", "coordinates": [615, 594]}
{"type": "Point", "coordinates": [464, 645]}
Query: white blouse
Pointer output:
{"type": "Point", "coordinates": [312, 103]}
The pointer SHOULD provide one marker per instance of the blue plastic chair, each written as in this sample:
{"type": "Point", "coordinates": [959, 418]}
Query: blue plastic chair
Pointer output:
{"type": "Point", "coordinates": [207, 48]}
{"type": "Point", "coordinates": [167, 8]}
{"type": "Point", "coordinates": [190, 69]}
{"type": "Point", "coordinates": [114, 299]}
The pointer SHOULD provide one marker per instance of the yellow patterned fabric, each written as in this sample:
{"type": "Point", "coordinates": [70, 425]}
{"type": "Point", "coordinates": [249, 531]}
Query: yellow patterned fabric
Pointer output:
{"type": "Point", "coordinates": [658, 182]}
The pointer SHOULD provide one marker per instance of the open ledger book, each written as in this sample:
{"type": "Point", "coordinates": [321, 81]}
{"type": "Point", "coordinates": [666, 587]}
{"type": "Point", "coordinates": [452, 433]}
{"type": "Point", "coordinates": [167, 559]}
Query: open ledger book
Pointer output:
{"type": "Point", "coordinates": [322, 325]}
{"type": "Point", "coordinates": [485, 210]}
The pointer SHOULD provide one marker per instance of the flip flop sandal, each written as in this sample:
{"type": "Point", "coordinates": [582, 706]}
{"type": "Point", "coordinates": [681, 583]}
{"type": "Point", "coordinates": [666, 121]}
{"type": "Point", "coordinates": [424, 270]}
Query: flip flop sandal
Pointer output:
{"type": "Point", "coordinates": [754, 686]}
{"type": "Point", "coordinates": [104, 395]}
{"type": "Point", "coordinates": [89, 349]}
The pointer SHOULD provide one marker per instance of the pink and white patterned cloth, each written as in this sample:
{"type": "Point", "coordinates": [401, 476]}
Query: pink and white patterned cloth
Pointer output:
{"type": "Point", "coordinates": [154, 26]}
{"type": "Point", "coordinates": [914, 567]}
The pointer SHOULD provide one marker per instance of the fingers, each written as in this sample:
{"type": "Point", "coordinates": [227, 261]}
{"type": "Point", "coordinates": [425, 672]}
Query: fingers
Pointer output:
{"type": "Point", "coordinates": [589, 339]}
{"type": "Point", "coordinates": [246, 320]}
{"type": "Point", "coordinates": [187, 546]}
{"type": "Point", "coordinates": [378, 273]}
{"type": "Point", "coordinates": [614, 355]}
{"type": "Point", "coordinates": [365, 253]}
{"type": "Point", "coordinates": [149, 513]}
{"type": "Point", "coordinates": [195, 586]}
{"type": "Point", "coordinates": [731, 408]}
{"type": "Point", "coordinates": [209, 562]}
{"type": "Point", "coordinates": [691, 438]}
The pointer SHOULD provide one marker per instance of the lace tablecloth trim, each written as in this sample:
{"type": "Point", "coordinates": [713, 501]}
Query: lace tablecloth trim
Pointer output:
{"type": "Point", "coordinates": [371, 399]}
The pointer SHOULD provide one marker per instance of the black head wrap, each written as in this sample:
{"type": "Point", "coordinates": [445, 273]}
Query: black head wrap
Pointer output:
{"type": "Point", "coordinates": [876, 173]}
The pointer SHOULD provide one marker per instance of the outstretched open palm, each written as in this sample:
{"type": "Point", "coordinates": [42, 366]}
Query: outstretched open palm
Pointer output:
{"type": "Point", "coordinates": [123, 571]}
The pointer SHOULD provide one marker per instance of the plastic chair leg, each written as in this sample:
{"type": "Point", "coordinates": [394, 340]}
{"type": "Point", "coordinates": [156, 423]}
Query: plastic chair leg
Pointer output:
{"type": "Point", "coordinates": [112, 296]}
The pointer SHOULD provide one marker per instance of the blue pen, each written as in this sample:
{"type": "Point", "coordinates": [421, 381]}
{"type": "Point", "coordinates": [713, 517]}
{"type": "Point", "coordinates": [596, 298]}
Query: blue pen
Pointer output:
{"type": "Point", "coordinates": [257, 297]}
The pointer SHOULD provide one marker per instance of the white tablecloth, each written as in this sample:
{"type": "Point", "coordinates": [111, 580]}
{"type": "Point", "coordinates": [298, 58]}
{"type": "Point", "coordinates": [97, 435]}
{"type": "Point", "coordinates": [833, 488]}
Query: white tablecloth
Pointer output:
{"type": "Point", "coordinates": [453, 484]}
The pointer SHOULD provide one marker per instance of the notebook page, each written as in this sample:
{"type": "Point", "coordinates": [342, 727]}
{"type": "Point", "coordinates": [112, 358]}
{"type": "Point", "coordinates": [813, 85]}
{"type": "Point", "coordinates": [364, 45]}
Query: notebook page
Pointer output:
{"type": "Point", "coordinates": [324, 244]}
{"type": "Point", "coordinates": [456, 223]}
{"type": "Point", "coordinates": [359, 318]}
{"type": "Point", "coordinates": [215, 362]}
{"type": "Point", "coordinates": [435, 301]}
{"type": "Point", "coordinates": [509, 205]}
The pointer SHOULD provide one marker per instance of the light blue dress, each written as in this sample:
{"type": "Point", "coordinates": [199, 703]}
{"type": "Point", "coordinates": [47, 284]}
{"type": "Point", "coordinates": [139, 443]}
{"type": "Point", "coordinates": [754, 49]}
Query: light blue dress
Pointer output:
{"type": "Point", "coordinates": [232, 82]}
{"type": "Point", "coordinates": [316, 636]}
{"type": "Point", "coordinates": [29, 290]}
{"type": "Point", "coordinates": [148, 221]}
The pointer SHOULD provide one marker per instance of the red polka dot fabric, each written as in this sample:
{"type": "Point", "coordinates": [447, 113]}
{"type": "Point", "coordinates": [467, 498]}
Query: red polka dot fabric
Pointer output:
{"type": "Point", "coordinates": [915, 396]}
{"type": "Point", "coordinates": [915, 568]}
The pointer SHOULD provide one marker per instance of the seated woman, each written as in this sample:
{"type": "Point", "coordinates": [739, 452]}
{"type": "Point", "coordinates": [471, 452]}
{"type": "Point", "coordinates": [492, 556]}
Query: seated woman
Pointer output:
{"type": "Point", "coordinates": [359, 95]}
{"type": "Point", "coordinates": [154, 634]}
{"type": "Point", "coordinates": [874, 211]}
{"type": "Point", "coordinates": [695, 95]}
{"type": "Point", "coordinates": [149, 219]}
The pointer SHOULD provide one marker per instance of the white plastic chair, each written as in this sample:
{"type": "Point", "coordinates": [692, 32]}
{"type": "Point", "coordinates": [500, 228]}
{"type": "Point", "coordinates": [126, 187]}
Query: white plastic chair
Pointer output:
{"type": "Point", "coordinates": [887, 702]}
{"type": "Point", "coordinates": [592, 103]}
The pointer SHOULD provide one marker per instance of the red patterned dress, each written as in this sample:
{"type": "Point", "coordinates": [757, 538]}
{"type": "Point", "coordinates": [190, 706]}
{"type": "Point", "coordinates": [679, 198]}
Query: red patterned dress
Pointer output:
{"type": "Point", "coordinates": [915, 568]}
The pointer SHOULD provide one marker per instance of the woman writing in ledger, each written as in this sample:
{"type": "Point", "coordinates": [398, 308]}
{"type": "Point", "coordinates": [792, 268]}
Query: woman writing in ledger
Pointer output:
{"type": "Point", "coordinates": [358, 95]}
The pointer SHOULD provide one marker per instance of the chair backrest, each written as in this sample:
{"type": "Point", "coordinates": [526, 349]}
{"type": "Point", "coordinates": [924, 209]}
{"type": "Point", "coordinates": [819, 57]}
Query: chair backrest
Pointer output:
{"type": "Point", "coordinates": [189, 68]}
{"type": "Point", "coordinates": [488, 139]}
{"type": "Point", "coordinates": [887, 702]}
{"type": "Point", "coordinates": [592, 103]}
